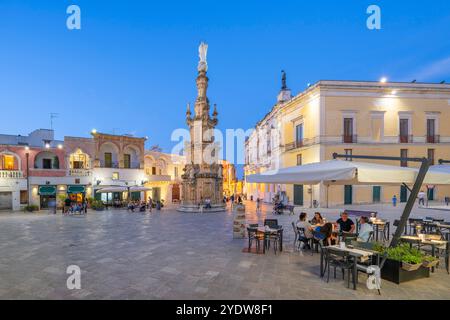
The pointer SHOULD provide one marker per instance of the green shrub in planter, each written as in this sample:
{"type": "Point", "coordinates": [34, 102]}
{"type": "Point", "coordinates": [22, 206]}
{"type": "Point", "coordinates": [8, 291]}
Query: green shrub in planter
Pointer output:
{"type": "Point", "coordinates": [31, 208]}
{"type": "Point", "coordinates": [97, 205]}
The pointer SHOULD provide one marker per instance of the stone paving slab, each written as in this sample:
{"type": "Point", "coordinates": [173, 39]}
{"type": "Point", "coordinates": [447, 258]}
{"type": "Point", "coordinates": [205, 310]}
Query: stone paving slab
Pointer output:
{"type": "Point", "coordinates": [172, 255]}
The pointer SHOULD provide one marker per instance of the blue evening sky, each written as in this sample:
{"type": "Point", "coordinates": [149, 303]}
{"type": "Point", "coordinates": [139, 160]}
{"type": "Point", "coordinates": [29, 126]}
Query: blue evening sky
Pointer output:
{"type": "Point", "coordinates": [132, 66]}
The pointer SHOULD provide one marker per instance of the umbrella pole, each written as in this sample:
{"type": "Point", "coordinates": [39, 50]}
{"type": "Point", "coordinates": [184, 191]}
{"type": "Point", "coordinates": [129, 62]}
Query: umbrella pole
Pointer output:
{"type": "Point", "coordinates": [411, 200]}
{"type": "Point", "coordinates": [328, 189]}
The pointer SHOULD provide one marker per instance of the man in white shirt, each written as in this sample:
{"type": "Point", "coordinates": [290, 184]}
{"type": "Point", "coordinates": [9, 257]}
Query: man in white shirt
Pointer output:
{"type": "Point", "coordinates": [302, 223]}
{"type": "Point", "coordinates": [421, 197]}
{"type": "Point", "coordinates": [365, 230]}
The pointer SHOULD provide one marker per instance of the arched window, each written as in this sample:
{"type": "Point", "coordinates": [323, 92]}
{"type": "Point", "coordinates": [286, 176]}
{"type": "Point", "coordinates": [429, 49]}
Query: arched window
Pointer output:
{"type": "Point", "coordinates": [8, 162]}
{"type": "Point", "coordinates": [46, 160]}
{"type": "Point", "coordinates": [79, 160]}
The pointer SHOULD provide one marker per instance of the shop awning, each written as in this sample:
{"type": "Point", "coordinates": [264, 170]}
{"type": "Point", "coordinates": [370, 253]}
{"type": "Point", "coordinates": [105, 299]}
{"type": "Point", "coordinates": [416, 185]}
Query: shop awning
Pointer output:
{"type": "Point", "coordinates": [76, 189]}
{"type": "Point", "coordinates": [112, 189]}
{"type": "Point", "coordinates": [139, 189]}
{"type": "Point", "coordinates": [47, 190]}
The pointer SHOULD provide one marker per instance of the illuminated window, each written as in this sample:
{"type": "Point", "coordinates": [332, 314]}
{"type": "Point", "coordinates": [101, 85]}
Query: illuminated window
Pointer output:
{"type": "Point", "coordinates": [115, 176]}
{"type": "Point", "coordinates": [8, 162]}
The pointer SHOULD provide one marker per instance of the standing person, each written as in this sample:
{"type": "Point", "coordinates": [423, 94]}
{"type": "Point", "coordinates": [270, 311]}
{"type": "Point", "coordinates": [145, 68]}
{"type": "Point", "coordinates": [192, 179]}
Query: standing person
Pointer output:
{"type": "Point", "coordinates": [239, 200]}
{"type": "Point", "coordinates": [67, 205]}
{"type": "Point", "coordinates": [150, 204]}
{"type": "Point", "coordinates": [232, 198]}
{"type": "Point", "coordinates": [394, 200]}
{"type": "Point", "coordinates": [85, 206]}
{"type": "Point", "coordinates": [447, 200]}
{"type": "Point", "coordinates": [258, 205]}
{"type": "Point", "coordinates": [421, 197]}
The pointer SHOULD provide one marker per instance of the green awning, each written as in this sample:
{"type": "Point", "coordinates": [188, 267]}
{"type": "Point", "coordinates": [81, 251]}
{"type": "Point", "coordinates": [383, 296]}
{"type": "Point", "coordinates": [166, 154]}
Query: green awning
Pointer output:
{"type": "Point", "coordinates": [47, 190]}
{"type": "Point", "coordinates": [76, 189]}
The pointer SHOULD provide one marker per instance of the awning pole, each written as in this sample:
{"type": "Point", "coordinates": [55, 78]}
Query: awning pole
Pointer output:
{"type": "Point", "coordinates": [411, 200]}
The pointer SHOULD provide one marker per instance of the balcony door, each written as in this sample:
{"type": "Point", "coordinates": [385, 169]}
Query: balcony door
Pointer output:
{"type": "Point", "coordinates": [299, 135]}
{"type": "Point", "coordinates": [348, 130]}
{"type": "Point", "coordinates": [404, 130]}
{"type": "Point", "coordinates": [108, 160]}
{"type": "Point", "coordinates": [431, 130]}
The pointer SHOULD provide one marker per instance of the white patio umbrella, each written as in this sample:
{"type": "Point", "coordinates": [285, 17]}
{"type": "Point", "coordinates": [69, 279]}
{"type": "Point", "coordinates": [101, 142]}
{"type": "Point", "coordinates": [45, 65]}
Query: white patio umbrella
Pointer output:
{"type": "Point", "coordinates": [438, 175]}
{"type": "Point", "coordinates": [338, 172]}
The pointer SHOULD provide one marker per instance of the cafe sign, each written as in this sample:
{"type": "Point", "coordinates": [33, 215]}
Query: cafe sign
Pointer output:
{"type": "Point", "coordinates": [76, 189]}
{"type": "Point", "coordinates": [47, 190]}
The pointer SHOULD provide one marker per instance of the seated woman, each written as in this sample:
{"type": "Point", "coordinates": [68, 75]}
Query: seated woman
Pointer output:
{"type": "Point", "coordinates": [365, 230]}
{"type": "Point", "coordinates": [325, 233]}
{"type": "Point", "coordinates": [317, 219]}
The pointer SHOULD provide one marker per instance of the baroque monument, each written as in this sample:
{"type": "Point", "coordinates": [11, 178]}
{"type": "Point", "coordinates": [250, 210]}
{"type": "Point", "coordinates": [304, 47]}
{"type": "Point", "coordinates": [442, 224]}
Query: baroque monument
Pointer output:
{"type": "Point", "coordinates": [202, 181]}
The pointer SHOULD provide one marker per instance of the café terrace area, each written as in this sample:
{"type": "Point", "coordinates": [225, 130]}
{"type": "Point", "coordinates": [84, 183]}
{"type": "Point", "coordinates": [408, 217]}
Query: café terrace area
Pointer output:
{"type": "Point", "coordinates": [171, 255]}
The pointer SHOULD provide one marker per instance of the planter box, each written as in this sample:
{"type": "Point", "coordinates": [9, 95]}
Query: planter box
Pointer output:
{"type": "Point", "coordinates": [392, 271]}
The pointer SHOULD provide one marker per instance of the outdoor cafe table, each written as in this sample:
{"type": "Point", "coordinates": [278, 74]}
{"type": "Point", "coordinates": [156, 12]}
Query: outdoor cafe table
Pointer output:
{"type": "Point", "coordinates": [421, 242]}
{"type": "Point", "coordinates": [275, 231]}
{"type": "Point", "coordinates": [441, 226]}
{"type": "Point", "coordinates": [356, 253]}
{"type": "Point", "coordinates": [377, 224]}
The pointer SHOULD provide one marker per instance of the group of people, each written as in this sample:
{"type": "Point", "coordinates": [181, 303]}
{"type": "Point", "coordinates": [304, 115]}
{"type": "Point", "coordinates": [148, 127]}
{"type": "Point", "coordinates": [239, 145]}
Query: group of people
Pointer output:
{"type": "Point", "coordinates": [232, 199]}
{"type": "Point", "coordinates": [71, 207]}
{"type": "Point", "coordinates": [319, 228]}
{"type": "Point", "coordinates": [142, 206]}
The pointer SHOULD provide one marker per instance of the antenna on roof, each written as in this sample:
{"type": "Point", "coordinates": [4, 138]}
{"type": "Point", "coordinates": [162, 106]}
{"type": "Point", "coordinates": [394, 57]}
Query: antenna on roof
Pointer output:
{"type": "Point", "coordinates": [53, 116]}
{"type": "Point", "coordinates": [414, 81]}
{"type": "Point", "coordinates": [442, 82]}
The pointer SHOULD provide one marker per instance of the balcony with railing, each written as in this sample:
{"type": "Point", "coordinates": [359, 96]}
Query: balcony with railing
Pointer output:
{"type": "Point", "coordinates": [433, 139]}
{"type": "Point", "coordinates": [295, 145]}
{"type": "Point", "coordinates": [80, 172]}
{"type": "Point", "coordinates": [349, 138]}
{"type": "Point", "coordinates": [109, 164]}
{"type": "Point", "coordinates": [405, 138]}
{"type": "Point", "coordinates": [11, 174]}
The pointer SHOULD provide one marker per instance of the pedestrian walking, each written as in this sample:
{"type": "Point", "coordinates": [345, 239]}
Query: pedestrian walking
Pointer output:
{"type": "Point", "coordinates": [258, 205]}
{"type": "Point", "coordinates": [421, 197]}
{"type": "Point", "coordinates": [394, 200]}
{"type": "Point", "coordinates": [150, 204]}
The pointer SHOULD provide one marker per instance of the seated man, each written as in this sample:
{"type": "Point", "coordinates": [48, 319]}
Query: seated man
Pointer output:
{"type": "Point", "coordinates": [345, 224]}
{"type": "Point", "coordinates": [208, 203]}
{"type": "Point", "coordinates": [365, 230]}
{"type": "Point", "coordinates": [305, 225]}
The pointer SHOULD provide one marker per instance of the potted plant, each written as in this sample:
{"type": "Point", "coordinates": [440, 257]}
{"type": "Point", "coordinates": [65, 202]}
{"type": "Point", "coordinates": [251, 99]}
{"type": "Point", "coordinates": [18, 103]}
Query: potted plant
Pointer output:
{"type": "Point", "coordinates": [31, 208]}
{"type": "Point", "coordinates": [411, 262]}
{"type": "Point", "coordinates": [97, 205]}
{"type": "Point", "coordinates": [430, 261]}
{"type": "Point", "coordinates": [404, 264]}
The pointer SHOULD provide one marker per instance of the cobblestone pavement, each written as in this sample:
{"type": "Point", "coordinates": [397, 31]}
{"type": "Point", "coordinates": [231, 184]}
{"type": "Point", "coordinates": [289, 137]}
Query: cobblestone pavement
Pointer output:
{"type": "Point", "coordinates": [171, 255]}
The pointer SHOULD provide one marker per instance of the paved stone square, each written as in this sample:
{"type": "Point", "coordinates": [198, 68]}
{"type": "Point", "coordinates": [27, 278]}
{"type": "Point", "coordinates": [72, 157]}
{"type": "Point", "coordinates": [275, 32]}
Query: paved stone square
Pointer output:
{"type": "Point", "coordinates": [172, 255]}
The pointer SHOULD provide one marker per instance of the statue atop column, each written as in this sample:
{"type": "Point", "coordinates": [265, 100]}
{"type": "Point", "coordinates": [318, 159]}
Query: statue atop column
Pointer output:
{"type": "Point", "coordinates": [202, 179]}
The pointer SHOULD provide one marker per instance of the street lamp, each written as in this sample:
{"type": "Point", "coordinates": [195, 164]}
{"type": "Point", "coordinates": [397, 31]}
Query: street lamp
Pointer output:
{"type": "Point", "coordinates": [27, 155]}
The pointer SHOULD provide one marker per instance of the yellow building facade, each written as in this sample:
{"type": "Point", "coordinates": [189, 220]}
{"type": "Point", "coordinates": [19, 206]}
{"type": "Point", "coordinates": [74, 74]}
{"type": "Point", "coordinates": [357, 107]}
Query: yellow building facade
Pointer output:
{"type": "Point", "coordinates": [359, 118]}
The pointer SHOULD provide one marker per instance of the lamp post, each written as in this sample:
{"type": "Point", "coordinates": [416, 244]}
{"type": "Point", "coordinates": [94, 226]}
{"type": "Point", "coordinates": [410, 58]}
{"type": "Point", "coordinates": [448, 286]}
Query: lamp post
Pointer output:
{"type": "Point", "coordinates": [27, 155]}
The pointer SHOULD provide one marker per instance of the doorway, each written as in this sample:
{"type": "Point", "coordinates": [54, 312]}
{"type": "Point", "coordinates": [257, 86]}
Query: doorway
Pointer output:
{"type": "Point", "coordinates": [403, 194]}
{"type": "Point", "coordinates": [376, 194]}
{"type": "Point", "coordinates": [156, 194]}
{"type": "Point", "coordinates": [298, 194]}
{"type": "Point", "coordinates": [348, 194]}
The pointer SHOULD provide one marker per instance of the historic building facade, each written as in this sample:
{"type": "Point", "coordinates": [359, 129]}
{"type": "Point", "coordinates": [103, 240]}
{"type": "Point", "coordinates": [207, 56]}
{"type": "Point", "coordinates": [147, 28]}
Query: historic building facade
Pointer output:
{"type": "Point", "coordinates": [163, 175]}
{"type": "Point", "coordinates": [360, 118]}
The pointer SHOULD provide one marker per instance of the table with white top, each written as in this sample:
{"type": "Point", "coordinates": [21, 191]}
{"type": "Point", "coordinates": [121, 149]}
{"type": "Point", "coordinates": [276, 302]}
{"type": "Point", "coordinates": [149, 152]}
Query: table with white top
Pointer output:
{"type": "Point", "coordinates": [356, 253]}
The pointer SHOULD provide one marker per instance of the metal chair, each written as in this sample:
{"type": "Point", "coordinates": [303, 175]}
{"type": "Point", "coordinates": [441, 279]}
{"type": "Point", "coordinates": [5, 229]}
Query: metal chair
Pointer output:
{"type": "Point", "coordinates": [272, 223]}
{"type": "Point", "coordinates": [339, 260]}
{"type": "Point", "coordinates": [302, 238]}
{"type": "Point", "coordinates": [296, 233]}
{"type": "Point", "coordinates": [253, 235]}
